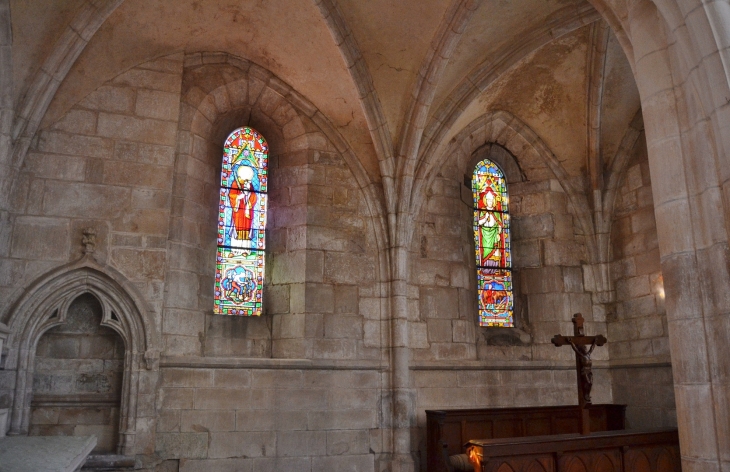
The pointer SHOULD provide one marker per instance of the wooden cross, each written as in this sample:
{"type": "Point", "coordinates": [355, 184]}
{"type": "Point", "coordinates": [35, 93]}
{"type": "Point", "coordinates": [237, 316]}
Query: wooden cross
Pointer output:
{"type": "Point", "coordinates": [583, 346]}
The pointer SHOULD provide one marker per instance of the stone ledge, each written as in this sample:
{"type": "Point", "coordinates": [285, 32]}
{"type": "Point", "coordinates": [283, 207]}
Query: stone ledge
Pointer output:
{"type": "Point", "coordinates": [646, 362]}
{"type": "Point", "coordinates": [495, 365]}
{"type": "Point", "coordinates": [75, 400]}
{"type": "Point", "coordinates": [108, 462]}
{"type": "Point", "coordinates": [266, 363]}
{"type": "Point", "coordinates": [536, 365]}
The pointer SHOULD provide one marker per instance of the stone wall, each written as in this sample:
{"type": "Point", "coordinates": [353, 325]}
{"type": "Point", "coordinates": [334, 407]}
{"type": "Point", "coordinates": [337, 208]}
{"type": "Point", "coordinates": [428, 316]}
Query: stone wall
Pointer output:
{"type": "Point", "coordinates": [106, 164]}
{"type": "Point", "coordinates": [138, 160]}
{"type": "Point", "coordinates": [322, 262]}
{"type": "Point", "coordinates": [637, 322]}
{"type": "Point", "coordinates": [283, 418]}
{"type": "Point", "coordinates": [547, 252]}
{"type": "Point", "coordinates": [306, 386]}
{"type": "Point", "coordinates": [77, 380]}
{"type": "Point", "coordinates": [461, 365]}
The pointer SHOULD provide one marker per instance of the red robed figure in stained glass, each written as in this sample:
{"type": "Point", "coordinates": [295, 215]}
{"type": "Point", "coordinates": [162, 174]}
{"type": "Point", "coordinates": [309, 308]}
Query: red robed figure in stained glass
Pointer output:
{"type": "Point", "coordinates": [240, 259]}
{"type": "Point", "coordinates": [243, 200]}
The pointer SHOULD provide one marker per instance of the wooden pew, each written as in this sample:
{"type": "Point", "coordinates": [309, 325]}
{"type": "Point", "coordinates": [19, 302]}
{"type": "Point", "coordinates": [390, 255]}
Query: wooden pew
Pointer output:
{"type": "Point", "coordinates": [608, 451]}
{"type": "Point", "coordinates": [453, 428]}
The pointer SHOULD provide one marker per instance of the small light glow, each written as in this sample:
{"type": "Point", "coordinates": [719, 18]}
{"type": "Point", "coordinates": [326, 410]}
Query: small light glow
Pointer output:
{"type": "Point", "coordinates": [659, 287]}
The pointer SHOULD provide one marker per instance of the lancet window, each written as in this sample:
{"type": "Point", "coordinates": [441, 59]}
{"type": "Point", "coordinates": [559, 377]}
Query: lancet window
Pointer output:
{"type": "Point", "coordinates": [492, 243]}
{"type": "Point", "coordinates": [239, 275]}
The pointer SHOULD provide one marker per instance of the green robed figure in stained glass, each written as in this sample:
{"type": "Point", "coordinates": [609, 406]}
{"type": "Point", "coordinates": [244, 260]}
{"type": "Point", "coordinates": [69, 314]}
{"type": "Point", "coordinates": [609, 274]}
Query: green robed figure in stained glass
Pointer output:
{"type": "Point", "coordinates": [239, 276]}
{"type": "Point", "coordinates": [492, 243]}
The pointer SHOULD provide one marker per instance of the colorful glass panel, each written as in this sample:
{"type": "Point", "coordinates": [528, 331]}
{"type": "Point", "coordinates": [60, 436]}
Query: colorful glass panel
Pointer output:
{"type": "Point", "coordinates": [492, 243]}
{"type": "Point", "coordinates": [242, 206]}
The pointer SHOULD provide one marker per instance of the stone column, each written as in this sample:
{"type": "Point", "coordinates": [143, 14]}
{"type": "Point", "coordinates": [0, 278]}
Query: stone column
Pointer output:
{"type": "Point", "coordinates": [403, 401]}
{"type": "Point", "coordinates": [683, 87]}
{"type": "Point", "coordinates": [6, 104]}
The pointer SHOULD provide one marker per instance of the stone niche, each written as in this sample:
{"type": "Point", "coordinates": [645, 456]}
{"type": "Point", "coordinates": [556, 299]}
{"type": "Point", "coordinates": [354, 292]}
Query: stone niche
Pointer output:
{"type": "Point", "coordinates": [77, 380]}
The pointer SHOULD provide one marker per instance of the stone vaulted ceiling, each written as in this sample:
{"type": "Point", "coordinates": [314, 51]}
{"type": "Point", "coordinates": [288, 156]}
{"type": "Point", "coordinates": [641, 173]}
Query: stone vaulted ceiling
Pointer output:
{"type": "Point", "coordinates": [525, 56]}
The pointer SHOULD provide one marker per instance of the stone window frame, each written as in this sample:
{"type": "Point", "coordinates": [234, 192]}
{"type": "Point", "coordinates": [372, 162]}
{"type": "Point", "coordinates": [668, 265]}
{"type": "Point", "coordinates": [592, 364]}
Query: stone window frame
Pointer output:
{"type": "Point", "coordinates": [45, 305]}
{"type": "Point", "coordinates": [496, 335]}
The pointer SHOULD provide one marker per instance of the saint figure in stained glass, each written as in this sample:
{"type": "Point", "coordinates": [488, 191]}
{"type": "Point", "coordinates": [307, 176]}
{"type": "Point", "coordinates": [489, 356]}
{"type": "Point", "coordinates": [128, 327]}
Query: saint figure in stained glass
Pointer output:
{"type": "Point", "coordinates": [242, 200]}
{"type": "Point", "coordinates": [242, 205]}
{"type": "Point", "coordinates": [492, 243]}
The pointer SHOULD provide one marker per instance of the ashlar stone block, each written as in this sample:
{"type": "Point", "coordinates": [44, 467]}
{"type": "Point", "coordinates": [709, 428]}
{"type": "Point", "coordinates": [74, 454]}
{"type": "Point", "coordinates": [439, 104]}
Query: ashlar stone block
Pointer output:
{"type": "Point", "coordinates": [345, 463]}
{"type": "Point", "coordinates": [59, 167]}
{"type": "Point", "coordinates": [181, 445]}
{"type": "Point", "coordinates": [130, 128]}
{"type": "Point", "coordinates": [157, 104]}
{"type": "Point", "coordinates": [110, 98]}
{"type": "Point", "coordinates": [242, 444]}
{"type": "Point", "coordinates": [439, 303]}
{"type": "Point", "coordinates": [40, 238]}
{"type": "Point", "coordinates": [343, 326]}
{"type": "Point", "coordinates": [301, 443]}
{"type": "Point", "coordinates": [205, 421]}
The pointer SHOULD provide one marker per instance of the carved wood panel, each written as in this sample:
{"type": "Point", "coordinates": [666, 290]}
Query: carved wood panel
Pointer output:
{"type": "Point", "coordinates": [622, 451]}
{"type": "Point", "coordinates": [591, 461]}
{"type": "Point", "coordinates": [532, 463]}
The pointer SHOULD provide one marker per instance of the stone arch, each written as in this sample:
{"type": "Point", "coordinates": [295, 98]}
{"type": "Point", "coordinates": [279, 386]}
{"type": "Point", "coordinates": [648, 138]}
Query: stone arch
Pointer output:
{"type": "Point", "coordinates": [44, 84]}
{"type": "Point", "coordinates": [220, 93]}
{"type": "Point", "coordinates": [533, 155]}
{"type": "Point", "coordinates": [45, 305]}
{"type": "Point", "coordinates": [615, 172]}
{"type": "Point", "coordinates": [250, 92]}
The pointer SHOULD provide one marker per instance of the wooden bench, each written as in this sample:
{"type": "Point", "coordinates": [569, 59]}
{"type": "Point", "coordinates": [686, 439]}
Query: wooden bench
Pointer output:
{"type": "Point", "coordinates": [608, 451]}
{"type": "Point", "coordinates": [451, 429]}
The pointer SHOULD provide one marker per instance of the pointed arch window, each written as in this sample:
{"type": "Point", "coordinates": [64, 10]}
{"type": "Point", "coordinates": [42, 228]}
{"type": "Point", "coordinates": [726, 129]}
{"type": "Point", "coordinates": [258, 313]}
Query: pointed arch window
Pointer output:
{"type": "Point", "coordinates": [239, 274]}
{"type": "Point", "coordinates": [492, 243]}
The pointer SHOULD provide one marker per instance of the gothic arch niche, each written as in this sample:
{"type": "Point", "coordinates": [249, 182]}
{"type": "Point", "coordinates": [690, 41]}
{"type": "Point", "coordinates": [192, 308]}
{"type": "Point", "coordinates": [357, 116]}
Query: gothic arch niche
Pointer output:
{"type": "Point", "coordinates": [48, 306]}
{"type": "Point", "coordinates": [78, 374]}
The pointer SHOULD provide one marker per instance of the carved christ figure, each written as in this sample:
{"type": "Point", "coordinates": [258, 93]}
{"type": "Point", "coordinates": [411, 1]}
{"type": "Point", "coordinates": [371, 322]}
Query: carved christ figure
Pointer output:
{"type": "Point", "coordinates": [586, 372]}
{"type": "Point", "coordinates": [243, 200]}
{"type": "Point", "coordinates": [583, 347]}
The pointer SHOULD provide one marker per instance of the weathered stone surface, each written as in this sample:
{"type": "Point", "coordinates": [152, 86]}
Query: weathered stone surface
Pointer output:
{"type": "Point", "coordinates": [40, 238]}
{"type": "Point", "coordinates": [182, 445]}
{"type": "Point", "coordinates": [242, 444]}
{"type": "Point", "coordinates": [136, 129]}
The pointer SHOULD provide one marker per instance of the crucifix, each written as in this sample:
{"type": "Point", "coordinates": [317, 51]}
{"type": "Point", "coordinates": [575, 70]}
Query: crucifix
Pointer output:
{"type": "Point", "coordinates": [583, 346]}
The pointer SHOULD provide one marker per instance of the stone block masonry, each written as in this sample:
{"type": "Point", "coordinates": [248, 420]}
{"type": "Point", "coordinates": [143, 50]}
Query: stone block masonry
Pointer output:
{"type": "Point", "coordinates": [637, 322]}
{"type": "Point", "coordinates": [246, 419]}
{"type": "Point", "coordinates": [107, 163]}
{"type": "Point", "coordinates": [77, 379]}
{"type": "Point", "coordinates": [307, 386]}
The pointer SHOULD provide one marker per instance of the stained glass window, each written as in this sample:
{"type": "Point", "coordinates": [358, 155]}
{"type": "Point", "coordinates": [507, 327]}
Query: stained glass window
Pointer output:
{"type": "Point", "coordinates": [492, 242]}
{"type": "Point", "coordinates": [239, 274]}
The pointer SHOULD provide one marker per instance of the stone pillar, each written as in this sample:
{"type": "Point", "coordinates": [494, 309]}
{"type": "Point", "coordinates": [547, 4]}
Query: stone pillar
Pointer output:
{"type": "Point", "coordinates": [676, 69]}
{"type": "Point", "coordinates": [6, 104]}
{"type": "Point", "coordinates": [403, 401]}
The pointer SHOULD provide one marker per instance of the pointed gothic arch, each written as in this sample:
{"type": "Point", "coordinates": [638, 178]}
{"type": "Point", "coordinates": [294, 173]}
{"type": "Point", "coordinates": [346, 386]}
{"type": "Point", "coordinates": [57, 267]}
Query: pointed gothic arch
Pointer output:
{"type": "Point", "coordinates": [45, 305]}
